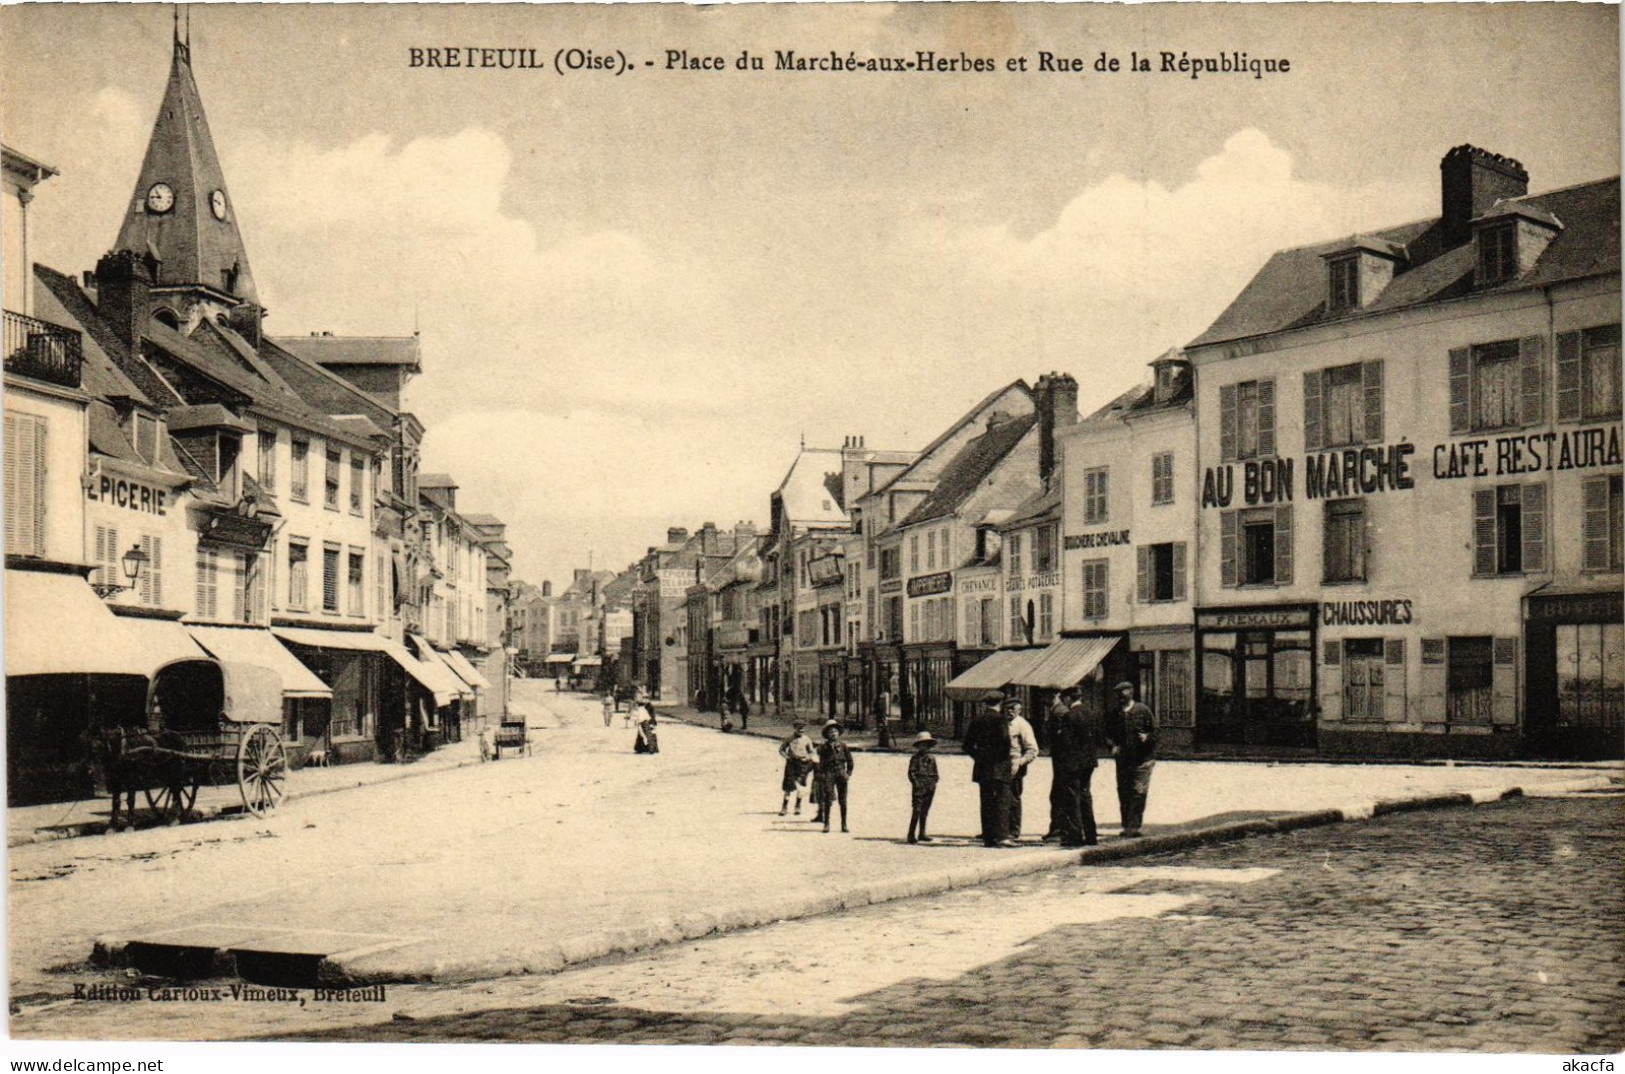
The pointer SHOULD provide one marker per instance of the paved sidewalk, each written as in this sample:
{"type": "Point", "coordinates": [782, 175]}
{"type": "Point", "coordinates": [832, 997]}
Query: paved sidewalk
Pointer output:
{"type": "Point", "coordinates": [612, 852]}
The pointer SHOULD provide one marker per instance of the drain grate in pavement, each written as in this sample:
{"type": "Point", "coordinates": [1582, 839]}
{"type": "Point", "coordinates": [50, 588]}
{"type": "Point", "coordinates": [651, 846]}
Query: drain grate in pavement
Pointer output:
{"type": "Point", "coordinates": [279, 957]}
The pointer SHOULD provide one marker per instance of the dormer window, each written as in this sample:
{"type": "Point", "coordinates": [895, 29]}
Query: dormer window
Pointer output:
{"type": "Point", "coordinates": [1344, 275]}
{"type": "Point", "coordinates": [1497, 253]}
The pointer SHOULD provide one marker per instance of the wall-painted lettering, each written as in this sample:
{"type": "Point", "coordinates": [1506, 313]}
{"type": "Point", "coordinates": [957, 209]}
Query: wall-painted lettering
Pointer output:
{"type": "Point", "coordinates": [131, 495]}
{"type": "Point", "coordinates": [1263, 481]}
{"type": "Point", "coordinates": [1074, 541]}
{"type": "Point", "coordinates": [1358, 471]}
{"type": "Point", "coordinates": [1528, 453]}
{"type": "Point", "coordinates": [1366, 612]}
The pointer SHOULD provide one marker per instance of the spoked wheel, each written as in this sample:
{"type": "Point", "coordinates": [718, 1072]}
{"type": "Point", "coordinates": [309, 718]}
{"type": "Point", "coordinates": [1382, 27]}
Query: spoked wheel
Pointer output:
{"type": "Point", "coordinates": [172, 803]}
{"type": "Point", "coordinates": [262, 766]}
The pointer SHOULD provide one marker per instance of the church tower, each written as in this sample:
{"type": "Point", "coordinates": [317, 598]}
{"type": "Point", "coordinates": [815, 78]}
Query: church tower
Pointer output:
{"type": "Point", "coordinates": [181, 221]}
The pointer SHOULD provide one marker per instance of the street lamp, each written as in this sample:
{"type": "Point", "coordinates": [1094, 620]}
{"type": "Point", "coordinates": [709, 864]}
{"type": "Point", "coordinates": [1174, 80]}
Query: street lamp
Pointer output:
{"type": "Point", "coordinates": [132, 562]}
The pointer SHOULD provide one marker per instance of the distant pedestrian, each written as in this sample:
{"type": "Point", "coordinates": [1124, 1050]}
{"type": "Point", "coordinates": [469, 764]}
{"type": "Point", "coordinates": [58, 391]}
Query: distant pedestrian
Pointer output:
{"type": "Point", "coordinates": [1074, 752]}
{"type": "Point", "coordinates": [1057, 712]}
{"type": "Point", "coordinates": [1023, 752]}
{"type": "Point", "coordinates": [834, 770]}
{"type": "Point", "coordinates": [609, 709]}
{"type": "Point", "coordinates": [988, 744]}
{"type": "Point", "coordinates": [800, 758]}
{"type": "Point", "coordinates": [1133, 735]}
{"type": "Point", "coordinates": [648, 740]}
{"type": "Point", "coordinates": [922, 778]}
{"type": "Point", "coordinates": [485, 744]}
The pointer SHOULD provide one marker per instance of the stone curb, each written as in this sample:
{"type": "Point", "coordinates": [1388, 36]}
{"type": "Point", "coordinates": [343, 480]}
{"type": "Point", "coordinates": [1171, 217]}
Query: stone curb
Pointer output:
{"type": "Point", "coordinates": [591, 947]}
{"type": "Point", "coordinates": [217, 812]}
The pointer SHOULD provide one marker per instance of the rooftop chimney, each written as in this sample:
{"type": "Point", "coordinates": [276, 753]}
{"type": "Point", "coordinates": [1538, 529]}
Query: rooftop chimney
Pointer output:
{"type": "Point", "coordinates": [1471, 180]}
{"type": "Point", "coordinates": [708, 537]}
{"type": "Point", "coordinates": [123, 293]}
{"type": "Point", "coordinates": [676, 534]}
{"type": "Point", "coordinates": [1057, 401]}
{"type": "Point", "coordinates": [997, 418]}
{"type": "Point", "coordinates": [547, 589]}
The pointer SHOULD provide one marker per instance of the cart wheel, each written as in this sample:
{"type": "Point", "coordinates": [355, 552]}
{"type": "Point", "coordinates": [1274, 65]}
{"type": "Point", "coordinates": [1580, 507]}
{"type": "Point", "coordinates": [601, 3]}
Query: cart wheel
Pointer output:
{"type": "Point", "coordinates": [262, 765]}
{"type": "Point", "coordinates": [171, 804]}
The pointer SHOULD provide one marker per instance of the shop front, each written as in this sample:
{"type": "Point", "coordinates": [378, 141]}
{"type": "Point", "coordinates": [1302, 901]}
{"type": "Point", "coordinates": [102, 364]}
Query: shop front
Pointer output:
{"type": "Point", "coordinates": [1160, 664]}
{"type": "Point", "coordinates": [1082, 662]}
{"type": "Point", "coordinates": [927, 670]}
{"type": "Point", "coordinates": [1256, 676]}
{"type": "Point", "coordinates": [1574, 699]}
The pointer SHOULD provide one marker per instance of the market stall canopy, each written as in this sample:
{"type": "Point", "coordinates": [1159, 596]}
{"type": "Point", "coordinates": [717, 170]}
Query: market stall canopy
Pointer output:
{"type": "Point", "coordinates": [432, 677]}
{"type": "Point", "coordinates": [1066, 662]}
{"type": "Point", "coordinates": [993, 673]}
{"type": "Point", "coordinates": [256, 645]}
{"type": "Point", "coordinates": [462, 666]}
{"type": "Point", "coordinates": [56, 625]}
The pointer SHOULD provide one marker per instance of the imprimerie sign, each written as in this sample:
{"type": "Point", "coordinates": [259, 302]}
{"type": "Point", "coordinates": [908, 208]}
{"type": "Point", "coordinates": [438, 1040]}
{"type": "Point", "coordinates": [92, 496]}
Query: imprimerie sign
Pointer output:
{"type": "Point", "coordinates": [928, 585]}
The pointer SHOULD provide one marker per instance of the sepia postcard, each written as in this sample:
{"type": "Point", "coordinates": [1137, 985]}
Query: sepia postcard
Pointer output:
{"type": "Point", "coordinates": [969, 526]}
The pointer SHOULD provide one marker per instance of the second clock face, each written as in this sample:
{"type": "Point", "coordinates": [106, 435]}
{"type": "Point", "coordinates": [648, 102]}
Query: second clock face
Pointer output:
{"type": "Point", "coordinates": [160, 198]}
{"type": "Point", "coordinates": [217, 204]}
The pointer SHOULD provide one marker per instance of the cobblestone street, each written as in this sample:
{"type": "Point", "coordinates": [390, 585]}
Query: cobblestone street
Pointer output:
{"type": "Point", "coordinates": [1489, 928]}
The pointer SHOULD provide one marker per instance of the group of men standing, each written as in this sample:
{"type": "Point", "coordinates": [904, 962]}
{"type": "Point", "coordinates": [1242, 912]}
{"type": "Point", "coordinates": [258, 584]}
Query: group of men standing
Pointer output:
{"type": "Point", "coordinates": [1001, 743]}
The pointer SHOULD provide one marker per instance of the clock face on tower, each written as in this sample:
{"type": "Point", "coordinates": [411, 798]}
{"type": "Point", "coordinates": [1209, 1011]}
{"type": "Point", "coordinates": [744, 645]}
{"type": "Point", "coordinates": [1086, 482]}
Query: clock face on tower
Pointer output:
{"type": "Point", "coordinates": [160, 199]}
{"type": "Point", "coordinates": [217, 204]}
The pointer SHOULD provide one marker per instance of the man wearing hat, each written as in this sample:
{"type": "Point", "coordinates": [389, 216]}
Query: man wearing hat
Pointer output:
{"type": "Point", "coordinates": [922, 779]}
{"type": "Point", "coordinates": [1074, 749]}
{"type": "Point", "coordinates": [988, 744]}
{"type": "Point", "coordinates": [800, 757]}
{"type": "Point", "coordinates": [1133, 736]}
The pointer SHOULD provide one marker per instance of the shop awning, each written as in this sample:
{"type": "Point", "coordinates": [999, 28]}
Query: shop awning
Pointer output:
{"type": "Point", "coordinates": [256, 645]}
{"type": "Point", "coordinates": [56, 625]}
{"type": "Point", "coordinates": [432, 677]}
{"type": "Point", "coordinates": [431, 657]}
{"type": "Point", "coordinates": [589, 662]}
{"type": "Point", "coordinates": [561, 658]}
{"type": "Point", "coordinates": [462, 666]}
{"type": "Point", "coordinates": [1066, 662]}
{"type": "Point", "coordinates": [992, 673]}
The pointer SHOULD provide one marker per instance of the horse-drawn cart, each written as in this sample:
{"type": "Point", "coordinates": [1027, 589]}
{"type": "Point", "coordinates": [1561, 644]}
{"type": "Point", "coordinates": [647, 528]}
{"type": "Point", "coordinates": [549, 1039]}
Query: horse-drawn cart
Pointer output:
{"type": "Point", "coordinates": [207, 723]}
{"type": "Point", "coordinates": [512, 733]}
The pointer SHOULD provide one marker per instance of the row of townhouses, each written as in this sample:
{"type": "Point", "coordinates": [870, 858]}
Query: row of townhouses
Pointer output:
{"type": "Point", "coordinates": [1373, 510]}
{"type": "Point", "coordinates": [179, 484]}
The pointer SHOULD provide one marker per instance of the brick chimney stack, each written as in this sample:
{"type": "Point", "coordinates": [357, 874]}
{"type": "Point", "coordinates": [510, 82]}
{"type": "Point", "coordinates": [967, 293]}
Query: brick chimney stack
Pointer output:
{"type": "Point", "coordinates": [1471, 181]}
{"type": "Point", "coordinates": [676, 534]}
{"type": "Point", "coordinates": [124, 293]}
{"type": "Point", "coordinates": [1056, 397]}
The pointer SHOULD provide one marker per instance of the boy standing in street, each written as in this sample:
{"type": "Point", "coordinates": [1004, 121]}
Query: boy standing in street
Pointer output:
{"type": "Point", "coordinates": [800, 756]}
{"type": "Point", "coordinates": [922, 778]}
{"type": "Point", "coordinates": [834, 769]}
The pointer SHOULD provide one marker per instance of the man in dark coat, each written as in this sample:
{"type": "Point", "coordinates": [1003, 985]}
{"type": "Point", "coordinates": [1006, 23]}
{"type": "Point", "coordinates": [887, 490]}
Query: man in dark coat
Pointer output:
{"type": "Point", "coordinates": [1074, 750]}
{"type": "Point", "coordinates": [1133, 736]}
{"type": "Point", "coordinates": [987, 741]}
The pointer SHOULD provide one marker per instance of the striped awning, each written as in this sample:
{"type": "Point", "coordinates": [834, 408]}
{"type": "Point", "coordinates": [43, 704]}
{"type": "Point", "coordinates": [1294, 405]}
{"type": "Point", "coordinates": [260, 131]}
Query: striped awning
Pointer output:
{"type": "Point", "coordinates": [993, 673]}
{"type": "Point", "coordinates": [1065, 663]}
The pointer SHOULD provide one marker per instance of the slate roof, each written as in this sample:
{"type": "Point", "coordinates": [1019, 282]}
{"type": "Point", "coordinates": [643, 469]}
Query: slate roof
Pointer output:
{"type": "Point", "coordinates": [805, 493]}
{"type": "Point", "coordinates": [1290, 290]}
{"type": "Point", "coordinates": [108, 372]}
{"type": "Point", "coordinates": [973, 414]}
{"type": "Point", "coordinates": [968, 469]}
{"type": "Point", "coordinates": [355, 350]}
{"type": "Point", "coordinates": [325, 391]}
{"type": "Point", "coordinates": [436, 481]}
{"type": "Point", "coordinates": [1041, 506]}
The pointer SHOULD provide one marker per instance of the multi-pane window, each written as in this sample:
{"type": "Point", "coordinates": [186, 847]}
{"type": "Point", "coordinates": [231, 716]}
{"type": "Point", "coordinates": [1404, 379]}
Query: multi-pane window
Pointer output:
{"type": "Point", "coordinates": [1160, 572]}
{"type": "Point", "coordinates": [267, 471]}
{"type": "Point", "coordinates": [1601, 527]}
{"type": "Point", "coordinates": [298, 573]}
{"type": "Point", "coordinates": [1044, 549]}
{"type": "Point", "coordinates": [914, 553]}
{"type": "Point", "coordinates": [931, 551]}
{"type": "Point", "coordinates": [1012, 556]}
{"type": "Point", "coordinates": [335, 462]}
{"type": "Point", "coordinates": [1094, 589]}
{"type": "Point", "coordinates": [1588, 374]}
{"type": "Point", "coordinates": [1162, 478]}
{"type": "Point", "coordinates": [1046, 616]}
{"type": "Point", "coordinates": [1342, 405]}
{"type": "Point", "coordinates": [1018, 622]}
{"type": "Point", "coordinates": [1509, 529]}
{"type": "Point", "coordinates": [25, 485]}
{"type": "Point", "coordinates": [1497, 253]}
{"type": "Point", "coordinates": [1344, 282]}
{"type": "Point", "coordinates": [1247, 420]}
{"type": "Point", "coordinates": [330, 579]}
{"type": "Point", "coordinates": [1345, 534]}
{"type": "Point", "coordinates": [358, 482]}
{"type": "Point", "coordinates": [357, 599]}
{"type": "Point", "coordinates": [1255, 546]}
{"type": "Point", "coordinates": [208, 583]}
{"type": "Point", "coordinates": [299, 477]}
{"type": "Point", "coordinates": [1499, 385]}
{"type": "Point", "coordinates": [1094, 495]}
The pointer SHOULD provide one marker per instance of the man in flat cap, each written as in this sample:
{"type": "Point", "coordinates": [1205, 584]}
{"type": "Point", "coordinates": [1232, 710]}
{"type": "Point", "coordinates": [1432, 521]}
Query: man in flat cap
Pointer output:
{"type": "Point", "coordinates": [1132, 732]}
{"type": "Point", "coordinates": [987, 741]}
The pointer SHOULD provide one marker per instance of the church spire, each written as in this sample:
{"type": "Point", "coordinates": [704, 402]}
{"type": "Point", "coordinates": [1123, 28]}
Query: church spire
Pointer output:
{"type": "Point", "coordinates": [181, 214]}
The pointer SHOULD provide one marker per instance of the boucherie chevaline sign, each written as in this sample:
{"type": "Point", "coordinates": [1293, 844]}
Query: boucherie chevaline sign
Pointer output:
{"type": "Point", "coordinates": [1364, 471]}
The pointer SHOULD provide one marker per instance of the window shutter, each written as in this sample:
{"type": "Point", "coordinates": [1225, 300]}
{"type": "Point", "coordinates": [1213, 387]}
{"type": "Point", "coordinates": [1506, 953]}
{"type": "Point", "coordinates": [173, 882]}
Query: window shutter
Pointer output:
{"type": "Point", "coordinates": [1142, 584]}
{"type": "Point", "coordinates": [38, 467]}
{"type": "Point", "coordinates": [1227, 419]}
{"type": "Point", "coordinates": [1371, 378]}
{"type": "Point", "coordinates": [14, 472]}
{"type": "Point", "coordinates": [1532, 370]}
{"type": "Point", "coordinates": [25, 485]}
{"type": "Point", "coordinates": [1179, 570]}
{"type": "Point", "coordinates": [145, 591]}
{"type": "Point", "coordinates": [1394, 698]}
{"type": "Point", "coordinates": [1483, 531]}
{"type": "Point", "coordinates": [238, 580]}
{"type": "Point", "coordinates": [155, 569]}
{"type": "Point", "coordinates": [1266, 418]}
{"type": "Point", "coordinates": [1229, 534]}
{"type": "Point", "coordinates": [1430, 706]}
{"type": "Point", "coordinates": [1313, 423]}
{"type": "Point", "coordinates": [1461, 383]}
{"type": "Point", "coordinates": [1534, 527]}
{"type": "Point", "coordinates": [1504, 683]}
{"type": "Point", "coordinates": [1331, 682]}
{"type": "Point", "coordinates": [1283, 545]}
{"type": "Point", "coordinates": [1568, 376]}
{"type": "Point", "coordinates": [1594, 529]}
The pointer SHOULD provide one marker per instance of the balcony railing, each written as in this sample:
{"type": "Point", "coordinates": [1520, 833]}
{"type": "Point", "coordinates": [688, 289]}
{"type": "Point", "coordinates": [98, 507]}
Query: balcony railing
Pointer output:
{"type": "Point", "coordinates": [42, 351]}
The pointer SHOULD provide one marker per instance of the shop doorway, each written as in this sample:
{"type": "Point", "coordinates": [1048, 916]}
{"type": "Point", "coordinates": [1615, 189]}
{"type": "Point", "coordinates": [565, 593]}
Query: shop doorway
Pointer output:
{"type": "Point", "coordinates": [1469, 682]}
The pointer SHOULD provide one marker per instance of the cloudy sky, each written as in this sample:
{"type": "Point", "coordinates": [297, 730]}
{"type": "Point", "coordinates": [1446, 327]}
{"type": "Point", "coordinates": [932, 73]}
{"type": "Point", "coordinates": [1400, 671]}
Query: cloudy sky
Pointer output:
{"type": "Point", "coordinates": [637, 293]}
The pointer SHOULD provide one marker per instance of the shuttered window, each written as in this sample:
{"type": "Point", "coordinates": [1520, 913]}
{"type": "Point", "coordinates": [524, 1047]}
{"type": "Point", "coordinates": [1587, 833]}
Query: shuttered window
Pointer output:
{"type": "Point", "coordinates": [25, 485]}
{"type": "Point", "coordinates": [1588, 374]}
{"type": "Point", "coordinates": [208, 583]}
{"type": "Point", "coordinates": [1255, 546]}
{"type": "Point", "coordinates": [1247, 420]}
{"type": "Point", "coordinates": [150, 586]}
{"type": "Point", "coordinates": [242, 576]}
{"type": "Point", "coordinates": [1160, 572]}
{"type": "Point", "coordinates": [1342, 405]}
{"type": "Point", "coordinates": [330, 579]}
{"type": "Point", "coordinates": [1345, 530]}
{"type": "Point", "coordinates": [1509, 530]}
{"type": "Point", "coordinates": [298, 574]}
{"type": "Point", "coordinates": [1094, 589]}
{"type": "Point", "coordinates": [1600, 526]}
{"type": "Point", "coordinates": [1094, 495]}
{"type": "Point", "coordinates": [1498, 385]}
{"type": "Point", "coordinates": [1162, 478]}
{"type": "Point", "coordinates": [357, 572]}
{"type": "Point", "coordinates": [267, 452]}
{"type": "Point", "coordinates": [330, 494]}
{"type": "Point", "coordinates": [358, 482]}
{"type": "Point", "coordinates": [299, 478]}
{"type": "Point", "coordinates": [105, 555]}
{"type": "Point", "coordinates": [1046, 616]}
